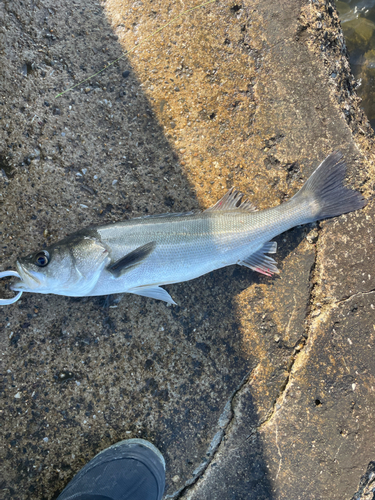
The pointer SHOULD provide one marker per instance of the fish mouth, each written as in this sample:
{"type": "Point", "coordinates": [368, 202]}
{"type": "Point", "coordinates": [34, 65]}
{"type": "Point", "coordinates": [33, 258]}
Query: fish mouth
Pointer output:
{"type": "Point", "coordinates": [28, 282]}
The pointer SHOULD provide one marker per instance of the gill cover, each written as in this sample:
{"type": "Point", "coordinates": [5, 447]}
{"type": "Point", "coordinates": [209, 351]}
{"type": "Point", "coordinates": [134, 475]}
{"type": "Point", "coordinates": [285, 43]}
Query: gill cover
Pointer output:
{"type": "Point", "coordinates": [69, 267]}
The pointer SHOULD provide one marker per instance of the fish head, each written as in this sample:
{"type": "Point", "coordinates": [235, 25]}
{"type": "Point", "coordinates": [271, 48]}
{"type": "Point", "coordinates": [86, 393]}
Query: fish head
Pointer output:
{"type": "Point", "coordinates": [69, 267]}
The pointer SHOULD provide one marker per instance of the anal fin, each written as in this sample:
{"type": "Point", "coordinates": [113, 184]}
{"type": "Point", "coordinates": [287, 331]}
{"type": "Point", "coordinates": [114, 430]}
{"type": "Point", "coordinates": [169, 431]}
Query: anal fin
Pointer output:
{"type": "Point", "coordinates": [154, 292]}
{"type": "Point", "coordinates": [131, 260]}
{"type": "Point", "coordinates": [260, 262]}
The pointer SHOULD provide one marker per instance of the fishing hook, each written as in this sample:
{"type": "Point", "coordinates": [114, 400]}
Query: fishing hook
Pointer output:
{"type": "Point", "coordinates": [5, 302]}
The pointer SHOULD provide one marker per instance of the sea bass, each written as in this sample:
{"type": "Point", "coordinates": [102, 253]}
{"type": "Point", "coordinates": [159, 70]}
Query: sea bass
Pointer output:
{"type": "Point", "coordinates": [139, 255]}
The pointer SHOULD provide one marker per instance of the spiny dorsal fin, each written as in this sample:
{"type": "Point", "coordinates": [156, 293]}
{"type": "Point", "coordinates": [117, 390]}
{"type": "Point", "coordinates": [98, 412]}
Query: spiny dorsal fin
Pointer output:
{"type": "Point", "coordinates": [233, 200]}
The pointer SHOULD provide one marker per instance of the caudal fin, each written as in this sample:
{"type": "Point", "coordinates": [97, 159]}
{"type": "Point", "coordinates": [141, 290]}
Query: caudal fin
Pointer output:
{"type": "Point", "coordinates": [325, 191]}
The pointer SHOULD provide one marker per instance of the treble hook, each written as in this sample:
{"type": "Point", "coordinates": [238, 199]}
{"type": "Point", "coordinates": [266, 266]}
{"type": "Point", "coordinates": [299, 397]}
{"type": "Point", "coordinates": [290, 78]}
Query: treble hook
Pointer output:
{"type": "Point", "coordinates": [5, 302]}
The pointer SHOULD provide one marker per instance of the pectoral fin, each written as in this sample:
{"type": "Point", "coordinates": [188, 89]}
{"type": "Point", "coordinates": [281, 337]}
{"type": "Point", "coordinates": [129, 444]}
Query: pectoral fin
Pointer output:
{"type": "Point", "coordinates": [260, 262]}
{"type": "Point", "coordinates": [154, 292]}
{"type": "Point", "coordinates": [132, 259]}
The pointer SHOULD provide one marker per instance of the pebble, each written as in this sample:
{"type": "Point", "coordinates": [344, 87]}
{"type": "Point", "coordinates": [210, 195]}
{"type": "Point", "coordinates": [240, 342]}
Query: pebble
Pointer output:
{"type": "Point", "coordinates": [114, 182]}
{"type": "Point", "coordinates": [18, 395]}
{"type": "Point", "coordinates": [45, 439]}
{"type": "Point", "coordinates": [312, 237]}
{"type": "Point", "coordinates": [125, 74]}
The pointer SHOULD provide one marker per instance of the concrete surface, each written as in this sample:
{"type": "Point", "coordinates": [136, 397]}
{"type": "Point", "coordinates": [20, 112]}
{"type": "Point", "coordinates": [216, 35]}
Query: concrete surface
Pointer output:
{"type": "Point", "coordinates": [252, 388]}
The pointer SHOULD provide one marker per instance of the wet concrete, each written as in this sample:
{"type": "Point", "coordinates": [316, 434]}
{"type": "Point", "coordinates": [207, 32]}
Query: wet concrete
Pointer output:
{"type": "Point", "coordinates": [246, 386]}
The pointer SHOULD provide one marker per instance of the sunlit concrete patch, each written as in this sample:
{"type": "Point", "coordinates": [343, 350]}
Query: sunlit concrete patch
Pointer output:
{"type": "Point", "coordinates": [200, 75]}
{"type": "Point", "coordinates": [346, 250]}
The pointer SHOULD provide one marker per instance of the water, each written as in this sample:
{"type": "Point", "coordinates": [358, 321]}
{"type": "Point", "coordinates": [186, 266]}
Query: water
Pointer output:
{"type": "Point", "coordinates": [358, 24]}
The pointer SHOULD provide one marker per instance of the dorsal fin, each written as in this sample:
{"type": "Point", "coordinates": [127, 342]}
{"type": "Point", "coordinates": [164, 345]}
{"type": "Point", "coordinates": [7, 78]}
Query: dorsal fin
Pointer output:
{"type": "Point", "coordinates": [233, 200]}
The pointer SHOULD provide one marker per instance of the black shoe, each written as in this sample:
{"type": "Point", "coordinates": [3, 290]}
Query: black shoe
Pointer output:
{"type": "Point", "coordinates": [129, 470]}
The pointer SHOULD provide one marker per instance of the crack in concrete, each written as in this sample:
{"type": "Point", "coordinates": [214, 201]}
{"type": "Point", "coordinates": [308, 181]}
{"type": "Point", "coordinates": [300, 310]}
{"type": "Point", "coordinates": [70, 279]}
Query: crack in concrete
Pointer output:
{"type": "Point", "coordinates": [300, 345]}
{"type": "Point", "coordinates": [223, 424]}
{"type": "Point", "coordinates": [227, 417]}
{"type": "Point", "coordinates": [278, 401]}
{"type": "Point", "coordinates": [278, 451]}
{"type": "Point", "coordinates": [303, 340]}
{"type": "Point", "coordinates": [358, 294]}
{"type": "Point", "coordinates": [229, 411]}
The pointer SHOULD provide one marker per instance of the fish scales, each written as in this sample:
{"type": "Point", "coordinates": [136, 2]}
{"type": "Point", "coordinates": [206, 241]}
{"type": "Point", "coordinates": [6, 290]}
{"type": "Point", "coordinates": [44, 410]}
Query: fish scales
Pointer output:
{"type": "Point", "coordinates": [186, 248]}
{"type": "Point", "coordinates": [140, 255]}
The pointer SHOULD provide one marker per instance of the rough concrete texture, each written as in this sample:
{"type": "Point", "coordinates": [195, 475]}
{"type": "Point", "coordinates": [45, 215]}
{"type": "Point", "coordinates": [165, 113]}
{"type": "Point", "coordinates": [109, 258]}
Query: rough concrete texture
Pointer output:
{"type": "Point", "coordinates": [251, 387]}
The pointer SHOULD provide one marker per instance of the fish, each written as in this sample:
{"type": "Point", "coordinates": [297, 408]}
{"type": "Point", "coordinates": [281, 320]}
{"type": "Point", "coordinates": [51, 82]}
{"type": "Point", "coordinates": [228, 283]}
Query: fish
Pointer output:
{"type": "Point", "coordinates": [141, 255]}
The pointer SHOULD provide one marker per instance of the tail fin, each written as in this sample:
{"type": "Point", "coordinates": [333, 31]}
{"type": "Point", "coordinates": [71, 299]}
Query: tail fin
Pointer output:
{"type": "Point", "coordinates": [325, 191]}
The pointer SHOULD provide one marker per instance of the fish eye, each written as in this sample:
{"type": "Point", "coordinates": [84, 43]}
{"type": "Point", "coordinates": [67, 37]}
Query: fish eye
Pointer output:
{"type": "Point", "coordinates": [42, 258]}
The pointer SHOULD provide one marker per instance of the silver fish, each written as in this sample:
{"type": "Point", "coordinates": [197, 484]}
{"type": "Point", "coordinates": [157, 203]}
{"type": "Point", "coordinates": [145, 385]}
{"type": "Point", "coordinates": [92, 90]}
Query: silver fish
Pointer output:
{"type": "Point", "coordinates": [140, 255]}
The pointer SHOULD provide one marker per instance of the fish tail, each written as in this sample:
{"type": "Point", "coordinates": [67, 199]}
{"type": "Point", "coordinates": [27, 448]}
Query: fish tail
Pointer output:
{"type": "Point", "coordinates": [325, 192]}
